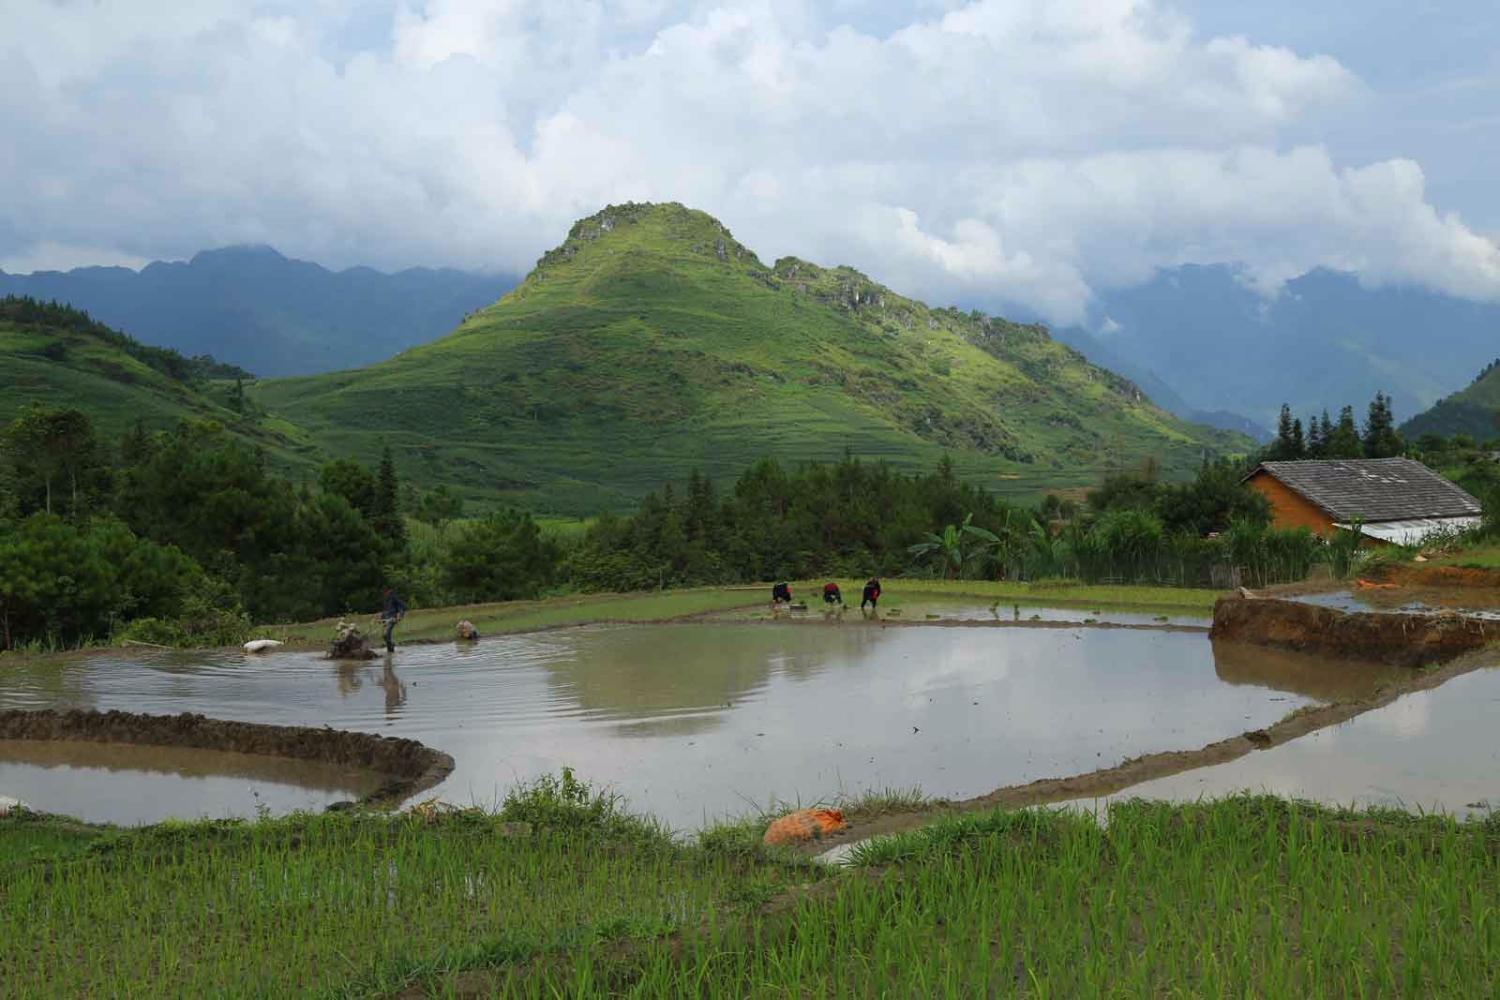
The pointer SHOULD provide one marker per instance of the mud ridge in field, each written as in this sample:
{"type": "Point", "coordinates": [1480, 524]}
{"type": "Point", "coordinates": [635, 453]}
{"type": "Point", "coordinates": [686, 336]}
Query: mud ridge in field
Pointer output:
{"type": "Point", "coordinates": [408, 766]}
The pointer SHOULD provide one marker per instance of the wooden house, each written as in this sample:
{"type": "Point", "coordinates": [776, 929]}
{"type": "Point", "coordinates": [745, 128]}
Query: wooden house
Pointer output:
{"type": "Point", "coordinates": [1396, 499]}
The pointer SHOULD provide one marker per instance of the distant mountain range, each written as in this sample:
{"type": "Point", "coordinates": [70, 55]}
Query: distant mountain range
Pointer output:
{"type": "Point", "coordinates": [251, 306]}
{"type": "Point", "coordinates": [1198, 339]}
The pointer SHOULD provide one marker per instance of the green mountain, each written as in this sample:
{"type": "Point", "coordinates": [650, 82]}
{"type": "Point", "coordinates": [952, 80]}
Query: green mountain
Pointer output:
{"type": "Point", "coordinates": [58, 356]}
{"type": "Point", "coordinates": [651, 342]}
{"type": "Point", "coordinates": [1474, 410]}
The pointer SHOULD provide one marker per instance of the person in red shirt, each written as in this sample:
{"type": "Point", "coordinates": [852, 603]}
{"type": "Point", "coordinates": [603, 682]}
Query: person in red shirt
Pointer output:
{"type": "Point", "coordinates": [831, 594]}
{"type": "Point", "coordinates": [871, 596]}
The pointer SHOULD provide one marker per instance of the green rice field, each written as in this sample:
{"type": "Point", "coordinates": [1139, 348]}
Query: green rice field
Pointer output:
{"type": "Point", "coordinates": [560, 893]}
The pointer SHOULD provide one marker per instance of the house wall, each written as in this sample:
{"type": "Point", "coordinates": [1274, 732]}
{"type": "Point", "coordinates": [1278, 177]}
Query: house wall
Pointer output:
{"type": "Point", "coordinates": [1290, 509]}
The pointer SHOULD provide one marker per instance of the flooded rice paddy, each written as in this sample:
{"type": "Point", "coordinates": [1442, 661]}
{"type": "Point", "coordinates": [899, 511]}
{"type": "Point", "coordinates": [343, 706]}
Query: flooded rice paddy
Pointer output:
{"type": "Point", "coordinates": [696, 722]}
{"type": "Point", "coordinates": [1432, 751]}
{"type": "Point", "coordinates": [1377, 601]}
{"type": "Point", "coordinates": [123, 784]}
{"type": "Point", "coordinates": [978, 610]}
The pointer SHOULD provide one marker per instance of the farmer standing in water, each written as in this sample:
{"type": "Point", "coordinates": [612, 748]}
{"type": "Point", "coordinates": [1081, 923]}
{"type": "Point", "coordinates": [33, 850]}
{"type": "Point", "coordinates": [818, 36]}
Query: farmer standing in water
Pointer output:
{"type": "Point", "coordinates": [395, 610]}
{"type": "Point", "coordinates": [871, 595]}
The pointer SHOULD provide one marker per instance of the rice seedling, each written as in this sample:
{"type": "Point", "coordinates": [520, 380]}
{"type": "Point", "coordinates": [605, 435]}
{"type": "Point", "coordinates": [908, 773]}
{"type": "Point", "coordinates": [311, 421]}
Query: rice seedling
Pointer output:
{"type": "Point", "coordinates": [339, 902]}
{"type": "Point", "coordinates": [1249, 895]}
{"type": "Point", "coordinates": [1245, 896]}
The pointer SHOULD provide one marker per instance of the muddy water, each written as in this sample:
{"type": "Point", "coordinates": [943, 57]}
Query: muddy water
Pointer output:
{"type": "Point", "coordinates": [112, 783]}
{"type": "Point", "coordinates": [1431, 750]}
{"type": "Point", "coordinates": [1405, 603]}
{"type": "Point", "coordinates": [695, 722]}
{"type": "Point", "coordinates": [979, 610]}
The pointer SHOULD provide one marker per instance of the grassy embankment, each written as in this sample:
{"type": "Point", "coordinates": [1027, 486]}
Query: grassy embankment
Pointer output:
{"type": "Point", "coordinates": [1247, 896]}
{"type": "Point", "coordinates": [429, 624]}
{"type": "Point", "coordinates": [1479, 557]}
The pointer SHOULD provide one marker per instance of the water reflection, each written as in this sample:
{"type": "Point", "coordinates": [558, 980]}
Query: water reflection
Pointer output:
{"type": "Point", "coordinates": [1301, 673]}
{"type": "Point", "coordinates": [695, 721]}
{"type": "Point", "coordinates": [1430, 750]}
{"type": "Point", "coordinates": [117, 783]}
{"type": "Point", "coordinates": [352, 674]}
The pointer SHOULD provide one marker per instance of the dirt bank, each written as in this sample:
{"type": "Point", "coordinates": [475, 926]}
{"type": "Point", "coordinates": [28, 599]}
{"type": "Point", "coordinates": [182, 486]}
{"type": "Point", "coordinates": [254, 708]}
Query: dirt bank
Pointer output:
{"type": "Point", "coordinates": [408, 766]}
{"type": "Point", "coordinates": [1427, 575]}
{"type": "Point", "coordinates": [1408, 640]}
{"type": "Point", "coordinates": [1109, 780]}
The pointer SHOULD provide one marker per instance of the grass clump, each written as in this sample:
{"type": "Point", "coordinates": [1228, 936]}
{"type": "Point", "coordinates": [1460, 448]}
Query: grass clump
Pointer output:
{"type": "Point", "coordinates": [567, 804]}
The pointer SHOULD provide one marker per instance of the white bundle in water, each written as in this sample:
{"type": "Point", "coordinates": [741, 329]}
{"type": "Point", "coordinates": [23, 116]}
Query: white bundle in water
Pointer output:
{"type": "Point", "coordinates": [7, 804]}
{"type": "Point", "coordinates": [260, 645]}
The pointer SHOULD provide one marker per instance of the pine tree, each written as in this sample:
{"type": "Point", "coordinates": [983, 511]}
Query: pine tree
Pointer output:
{"type": "Point", "coordinates": [237, 400]}
{"type": "Point", "coordinates": [387, 519]}
{"type": "Point", "coordinates": [1285, 448]}
{"type": "Point", "coordinates": [1299, 444]}
{"type": "Point", "coordinates": [1315, 435]}
{"type": "Point", "coordinates": [1381, 439]}
{"type": "Point", "coordinates": [1344, 441]}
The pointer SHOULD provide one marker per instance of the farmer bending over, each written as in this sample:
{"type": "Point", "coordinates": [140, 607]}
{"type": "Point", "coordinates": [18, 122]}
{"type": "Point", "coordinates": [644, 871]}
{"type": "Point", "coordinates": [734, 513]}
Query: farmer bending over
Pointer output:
{"type": "Point", "coordinates": [395, 610]}
{"type": "Point", "coordinates": [871, 594]}
{"type": "Point", "coordinates": [781, 594]}
{"type": "Point", "coordinates": [831, 594]}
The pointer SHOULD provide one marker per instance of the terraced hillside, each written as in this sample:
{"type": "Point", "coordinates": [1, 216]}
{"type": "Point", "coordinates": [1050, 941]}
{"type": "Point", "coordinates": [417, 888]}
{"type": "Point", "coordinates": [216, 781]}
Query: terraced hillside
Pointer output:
{"type": "Point", "coordinates": [651, 342]}
{"type": "Point", "coordinates": [58, 356]}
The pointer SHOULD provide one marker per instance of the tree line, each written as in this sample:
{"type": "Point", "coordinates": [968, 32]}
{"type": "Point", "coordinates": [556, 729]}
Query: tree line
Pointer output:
{"type": "Point", "coordinates": [187, 536]}
{"type": "Point", "coordinates": [1322, 437]}
{"type": "Point", "coordinates": [51, 318]}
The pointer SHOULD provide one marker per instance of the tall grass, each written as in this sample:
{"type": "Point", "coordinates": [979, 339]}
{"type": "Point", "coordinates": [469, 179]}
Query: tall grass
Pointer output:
{"type": "Point", "coordinates": [1132, 547]}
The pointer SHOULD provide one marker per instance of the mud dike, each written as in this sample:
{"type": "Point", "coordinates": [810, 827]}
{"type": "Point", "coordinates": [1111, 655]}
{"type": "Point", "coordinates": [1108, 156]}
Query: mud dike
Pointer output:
{"type": "Point", "coordinates": [408, 767]}
{"type": "Point", "coordinates": [1407, 640]}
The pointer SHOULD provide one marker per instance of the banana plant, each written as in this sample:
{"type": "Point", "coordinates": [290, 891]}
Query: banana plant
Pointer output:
{"type": "Point", "coordinates": [959, 545]}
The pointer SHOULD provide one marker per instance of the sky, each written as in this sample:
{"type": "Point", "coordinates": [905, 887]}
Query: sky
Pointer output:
{"type": "Point", "coordinates": [1030, 152]}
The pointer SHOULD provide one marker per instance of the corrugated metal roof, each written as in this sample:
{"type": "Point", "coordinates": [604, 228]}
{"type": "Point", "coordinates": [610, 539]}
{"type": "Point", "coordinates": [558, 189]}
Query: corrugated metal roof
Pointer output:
{"type": "Point", "coordinates": [1412, 532]}
{"type": "Point", "coordinates": [1374, 489]}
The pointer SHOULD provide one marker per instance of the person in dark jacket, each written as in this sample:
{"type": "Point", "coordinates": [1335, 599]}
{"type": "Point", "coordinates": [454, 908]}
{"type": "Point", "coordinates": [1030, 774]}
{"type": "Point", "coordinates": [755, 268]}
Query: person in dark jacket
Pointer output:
{"type": "Point", "coordinates": [394, 611]}
{"type": "Point", "coordinates": [781, 594]}
{"type": "Point", "coordinates": [871, 595]}
{"type": "Point", "coordinates": [832, 595]}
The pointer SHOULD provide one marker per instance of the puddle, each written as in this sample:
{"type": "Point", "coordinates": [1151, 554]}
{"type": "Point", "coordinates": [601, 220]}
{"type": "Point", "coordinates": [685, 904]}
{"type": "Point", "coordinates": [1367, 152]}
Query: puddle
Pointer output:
{"type": "Point", "coordinates": [1429, 750]}
{"type": "Point", "coordinates": [693, 723]}
{"type": "Point", "coordinates": [128, 784]}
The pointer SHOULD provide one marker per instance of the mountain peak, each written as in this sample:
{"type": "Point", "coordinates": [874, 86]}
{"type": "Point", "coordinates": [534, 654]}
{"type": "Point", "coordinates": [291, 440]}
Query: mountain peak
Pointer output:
{"type": "Point", "coordinates": [665, 227]}
{"type": "Point", "coordinates": [237, 252]}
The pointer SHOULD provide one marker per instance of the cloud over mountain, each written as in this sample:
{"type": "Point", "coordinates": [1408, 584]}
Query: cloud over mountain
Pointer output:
{"type": "Point", "coordinates": [1028, 151]}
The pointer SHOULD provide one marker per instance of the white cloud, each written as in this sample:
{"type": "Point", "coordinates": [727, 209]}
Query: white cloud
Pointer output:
{"type": "Point", "coordinates": [57, 257]}
{"type": "Point", "coordinates": [1020, 150]}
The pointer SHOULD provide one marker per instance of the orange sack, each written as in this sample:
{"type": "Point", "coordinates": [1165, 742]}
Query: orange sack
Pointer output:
{"type": "Point", "coordinates": [804, 825]}
{"type": "Point", "coordinates": [1367, 585]}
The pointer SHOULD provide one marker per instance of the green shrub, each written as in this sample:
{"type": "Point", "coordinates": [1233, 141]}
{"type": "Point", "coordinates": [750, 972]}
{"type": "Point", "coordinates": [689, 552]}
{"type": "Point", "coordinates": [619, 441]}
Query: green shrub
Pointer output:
{"type": "Point", "coordinates": [567, 804]}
